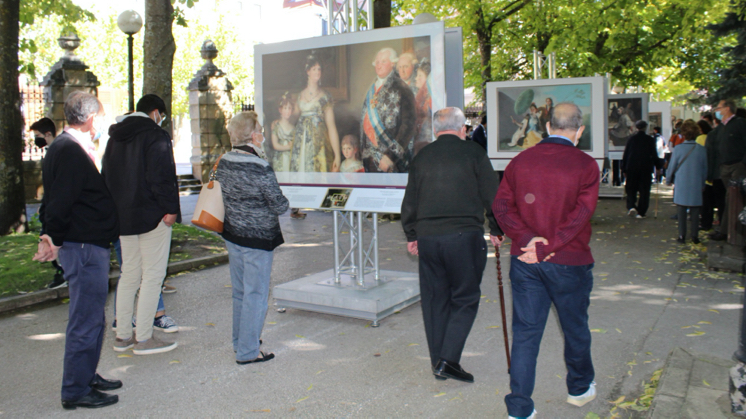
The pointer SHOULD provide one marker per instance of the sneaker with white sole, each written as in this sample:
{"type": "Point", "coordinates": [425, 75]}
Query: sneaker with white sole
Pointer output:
{"type": "Point", "coordinates": [632, 212]}
{"type": "Point", "coordinates": [168, 289]}
{"type": "Point", "coordinates": [121, 345]}
{"type": "Point", "coordinates": [532, 416]}
{"type": "Point", "coordinates": [165, 324]}
{"type": "Point", "coordinates": [584, 398]}
{"type": "Point", "coordinates": [153, 346]}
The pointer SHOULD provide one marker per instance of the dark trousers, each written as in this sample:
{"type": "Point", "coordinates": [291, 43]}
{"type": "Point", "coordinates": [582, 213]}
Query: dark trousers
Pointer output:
{"type": "Point", "coordinates": [451, 268]}
{"type": "Point", "coordinates": [638, 182]}
{"type": "Point", "coordinates": [87, 274]}
{"type": "Point", "coordinates": [535, 287]}
{"type": "Point", "coordinates": [681, 214]}
{"type": "Point", "coordinates": [712, 197]}
{"type": "Point", "coordinates": [616, 173]}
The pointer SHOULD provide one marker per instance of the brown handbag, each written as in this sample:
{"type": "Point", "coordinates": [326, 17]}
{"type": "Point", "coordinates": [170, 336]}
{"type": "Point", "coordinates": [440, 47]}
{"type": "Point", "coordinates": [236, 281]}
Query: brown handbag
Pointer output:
{"type": "Point", "coordinates": [210, 211]}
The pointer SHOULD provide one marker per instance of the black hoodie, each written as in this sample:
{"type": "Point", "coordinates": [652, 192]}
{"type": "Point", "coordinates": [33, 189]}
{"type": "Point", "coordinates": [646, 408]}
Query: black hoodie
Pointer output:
{"type": "Point", "coordinates": [139, 170]}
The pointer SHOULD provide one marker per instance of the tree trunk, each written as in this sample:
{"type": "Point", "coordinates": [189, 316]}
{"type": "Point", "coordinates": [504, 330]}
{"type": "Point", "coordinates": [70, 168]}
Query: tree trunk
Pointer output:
{"type": "Point", "coordinates": [158, 53]}
{"type": "Point", "coordinates": [381, 14]}
{"type": "Point", "coordinates": [12, 195]}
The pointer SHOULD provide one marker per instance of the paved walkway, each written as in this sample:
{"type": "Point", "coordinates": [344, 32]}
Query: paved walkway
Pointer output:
{"type": "Point", "coordinates": [650, 296]}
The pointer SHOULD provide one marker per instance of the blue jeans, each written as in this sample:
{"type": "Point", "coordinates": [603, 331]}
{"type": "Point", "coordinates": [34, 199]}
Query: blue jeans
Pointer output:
{"type": "Point", "coordinates": [118, 251]}
{"type": "Point", "coordinates": [535, 287]}
{"type": "Point", "coordinates": [250, 275]}
{"type": "Point", "coordinates": [87, 273]}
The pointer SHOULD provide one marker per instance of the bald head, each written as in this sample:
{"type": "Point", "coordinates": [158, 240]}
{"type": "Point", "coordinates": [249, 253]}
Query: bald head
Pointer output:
{"type": "Point", "coordinates": [566, 120]}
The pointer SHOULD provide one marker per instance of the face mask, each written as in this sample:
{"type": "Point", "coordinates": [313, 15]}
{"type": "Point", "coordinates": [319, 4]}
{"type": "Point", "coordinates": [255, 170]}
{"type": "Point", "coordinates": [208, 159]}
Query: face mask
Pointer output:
{"type": "Point", "coordinates": [160, 123]}
{"type": "Point", "coordinates": [40, 142]}
{"type": "Point", "coordinates": [718, 115]}
{"type": "Point", "coordinates": [98, 125]}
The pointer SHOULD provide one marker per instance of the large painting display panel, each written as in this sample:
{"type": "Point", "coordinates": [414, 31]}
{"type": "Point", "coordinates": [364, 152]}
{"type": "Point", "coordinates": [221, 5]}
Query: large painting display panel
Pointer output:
{"type": "Point", "coordinates": [519, 111]}
{"type": "Point", "coordinates": [343, 110]}
{"type": "Point", "coordinates": [622, 113]}
{"type": "Point", "coordinates": [524, 114]}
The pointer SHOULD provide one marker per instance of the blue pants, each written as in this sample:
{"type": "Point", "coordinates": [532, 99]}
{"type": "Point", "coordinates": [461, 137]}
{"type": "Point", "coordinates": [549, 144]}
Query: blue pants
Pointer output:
{"type": "Point", "coordinates": [250, 275]}
{"type": "Point", "coordinates": [87, 273]}
{"type": "Point", "coordinates": [451, 268]}
{"type": "Point", "coordinates": [535, 288]}
{"type": "Point", "coordinates": [118, 251]}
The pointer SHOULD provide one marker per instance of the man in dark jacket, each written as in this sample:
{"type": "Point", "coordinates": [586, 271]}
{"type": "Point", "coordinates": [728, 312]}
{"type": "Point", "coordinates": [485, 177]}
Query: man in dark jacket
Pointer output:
{"type": "Point", "coordinates": [639, 160]}
{"type": "Point", "coordinates": [451, 185]}
{"type": "Point", "coordinates": [79, 222]}
{"type": "Point", "coordinates": [139, 170]}
{"type": "Point", "coordinates": [480, 134]}
{"type": "Point", "coordinates": [726, 147]}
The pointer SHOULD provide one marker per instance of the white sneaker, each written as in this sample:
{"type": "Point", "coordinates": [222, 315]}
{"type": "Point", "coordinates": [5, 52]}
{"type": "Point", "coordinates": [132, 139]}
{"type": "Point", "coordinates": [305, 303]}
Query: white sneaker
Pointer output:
{"type": "Point", "coordinates": [583, 398]}
{"type": "Point", "coordinates": [632, 212]}
{"type": "Point", "coordinates": [640, 216]}
{"type": "Point", "coordinates": [532, 416]}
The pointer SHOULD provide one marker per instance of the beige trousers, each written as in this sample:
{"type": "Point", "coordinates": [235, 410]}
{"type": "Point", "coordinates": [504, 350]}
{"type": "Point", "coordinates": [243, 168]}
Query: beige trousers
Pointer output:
{"type": "Point", "coordinates": [144, 264]}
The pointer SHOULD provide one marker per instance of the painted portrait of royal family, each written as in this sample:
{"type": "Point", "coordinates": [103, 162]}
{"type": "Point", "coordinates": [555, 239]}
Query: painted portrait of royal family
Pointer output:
{"type": "Point", "coordinates": [361, 108]}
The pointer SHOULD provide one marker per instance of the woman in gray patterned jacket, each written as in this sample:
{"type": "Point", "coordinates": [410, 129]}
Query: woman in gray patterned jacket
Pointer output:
{"type": "Point", "coordinates": [253, 201]}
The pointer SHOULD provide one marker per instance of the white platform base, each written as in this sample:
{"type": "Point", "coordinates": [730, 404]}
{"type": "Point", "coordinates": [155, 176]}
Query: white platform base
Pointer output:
{"type": "Point", "coordinates": [373, 301]}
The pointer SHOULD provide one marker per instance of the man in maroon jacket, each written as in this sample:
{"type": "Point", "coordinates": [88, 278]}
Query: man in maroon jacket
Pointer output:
{"type": "Point", "coordinates": [551, 262]}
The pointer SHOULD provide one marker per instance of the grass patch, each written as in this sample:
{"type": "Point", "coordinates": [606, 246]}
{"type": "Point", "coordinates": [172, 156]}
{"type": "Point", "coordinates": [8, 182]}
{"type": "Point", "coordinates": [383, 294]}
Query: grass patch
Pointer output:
{"type": "Point", "coordinates": [19, 274]}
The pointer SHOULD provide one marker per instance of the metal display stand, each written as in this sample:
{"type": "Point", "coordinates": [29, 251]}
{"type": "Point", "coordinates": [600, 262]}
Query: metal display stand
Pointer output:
{"type": "Point", "coordinates": [356, 286]}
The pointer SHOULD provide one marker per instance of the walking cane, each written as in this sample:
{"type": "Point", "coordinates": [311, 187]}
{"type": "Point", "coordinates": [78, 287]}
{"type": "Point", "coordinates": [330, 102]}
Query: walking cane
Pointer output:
{"type": "Point", "coordinates": [657, 185]}
{"type": "Point", "coordinates": [502, 303]}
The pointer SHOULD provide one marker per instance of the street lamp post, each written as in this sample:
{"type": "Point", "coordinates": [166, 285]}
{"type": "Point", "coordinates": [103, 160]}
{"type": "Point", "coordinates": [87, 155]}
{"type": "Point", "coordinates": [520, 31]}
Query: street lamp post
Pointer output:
{"type": "Point", "coordinates": [130, 23]}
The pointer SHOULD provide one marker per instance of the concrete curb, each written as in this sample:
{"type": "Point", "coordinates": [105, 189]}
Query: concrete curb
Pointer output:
{"type": "Point", "coordinates": [42, 296]}
{"type": "Point", "coordinates": [692, 386]}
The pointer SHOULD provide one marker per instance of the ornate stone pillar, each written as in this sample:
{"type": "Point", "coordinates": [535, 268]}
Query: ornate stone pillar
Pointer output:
{"type": "Point", "coordinates": [210, 110]}
{"type": "Point", "coordinates": [66, 76]}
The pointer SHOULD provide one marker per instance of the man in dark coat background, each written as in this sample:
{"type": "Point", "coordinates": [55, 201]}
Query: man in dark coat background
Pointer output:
{"type": "Point", "coordinates": [638, 163]}
{"type": "Point", "coordinates": [480, 135]}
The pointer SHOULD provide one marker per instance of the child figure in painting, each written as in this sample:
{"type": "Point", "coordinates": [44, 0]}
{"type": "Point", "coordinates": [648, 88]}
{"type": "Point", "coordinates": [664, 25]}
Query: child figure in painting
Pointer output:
{"type": "Point", "coordinates": [351, 151]}
{"type": "Point", "coordinates": [283, 133]}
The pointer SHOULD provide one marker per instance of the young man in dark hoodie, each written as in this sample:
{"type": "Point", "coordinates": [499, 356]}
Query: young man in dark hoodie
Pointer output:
{"type": "Point", "coordinates": [139, 170]}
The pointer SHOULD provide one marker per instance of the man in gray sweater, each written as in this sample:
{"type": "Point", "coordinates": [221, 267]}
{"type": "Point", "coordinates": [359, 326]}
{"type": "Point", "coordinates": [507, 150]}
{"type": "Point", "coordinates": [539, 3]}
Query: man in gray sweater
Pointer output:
{"type": "Point", "coordinates": [451, 185]}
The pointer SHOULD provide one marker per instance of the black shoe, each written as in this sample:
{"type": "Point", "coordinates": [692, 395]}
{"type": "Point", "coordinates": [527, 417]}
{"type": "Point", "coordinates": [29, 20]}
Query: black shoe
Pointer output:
{"type": "Point", "coordinates": [695, 240]}
{"type": "Point", "coordinates": [681, 240]}
{"type": "Point", "coordinates": [57, 282]}
{"type": "Point", "coordinates": [264, 357]}
{"type": "Point", "coordinates": [718, 236]}
{"type": "Point", "coordinates": [453, 370]}
{"type": "Point", "coordinates": [102, 384]}
{"type": "Point", "coordinates": [92, 400]}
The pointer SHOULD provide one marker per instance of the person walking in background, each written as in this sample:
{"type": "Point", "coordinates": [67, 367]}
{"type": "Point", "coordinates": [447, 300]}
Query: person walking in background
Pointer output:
{"type": "Point", "coordinates": [140, 172]}
{"type": "Point", "coordinates": [638, 165]}
{"type": "Point", "coordinates": [480, 133]}
{"type": "Point", "coordinates": [79, 222]}
{"type": "Point", "coordinates": [662, 148]}
{"type": "Point", "coordinates": [450, 186]}
{"type": "Point", "coordinates": [688, 171]}
{"type": "Point", "coordinates": [551, 260]}
{"type": "Point", "coordinates": [253, 201]}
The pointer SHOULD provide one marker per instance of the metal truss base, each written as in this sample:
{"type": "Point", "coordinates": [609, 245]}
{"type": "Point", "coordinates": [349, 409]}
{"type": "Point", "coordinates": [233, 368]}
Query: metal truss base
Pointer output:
{"type": "Point", "coordinates": [372, 301]}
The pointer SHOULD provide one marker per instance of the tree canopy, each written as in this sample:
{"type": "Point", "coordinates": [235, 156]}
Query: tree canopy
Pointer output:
{"type": "Point", "coordinates": [640, 43]}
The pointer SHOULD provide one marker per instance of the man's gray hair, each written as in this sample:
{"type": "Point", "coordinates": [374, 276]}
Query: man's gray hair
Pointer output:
{"type": "Point", "coordinates": [393, 57]}
{"type": "Point", "coordinates": [79, 106]}
{"type": "Point", "coordinates": [730, 104]}
{"type": "Point", "coordinates": [448, 119]}
{"type": "Point", "coordinates": [566, 116]}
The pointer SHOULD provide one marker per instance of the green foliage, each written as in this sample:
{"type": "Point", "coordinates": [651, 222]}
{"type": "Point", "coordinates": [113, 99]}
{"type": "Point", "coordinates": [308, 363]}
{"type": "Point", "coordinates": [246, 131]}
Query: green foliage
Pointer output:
{"type": "Point", "coordinates": [731, 81]}
{"type": "Point", "coordinates": [65, 13]}
{"type": "Point", "coordinates": [18, 273]}
{"type": "Point", "coordinates": [104, 49]}
{"type": "Point", "coordinates": [630, 39]}
{"type": "Point", "coordinates": [178, 16]}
